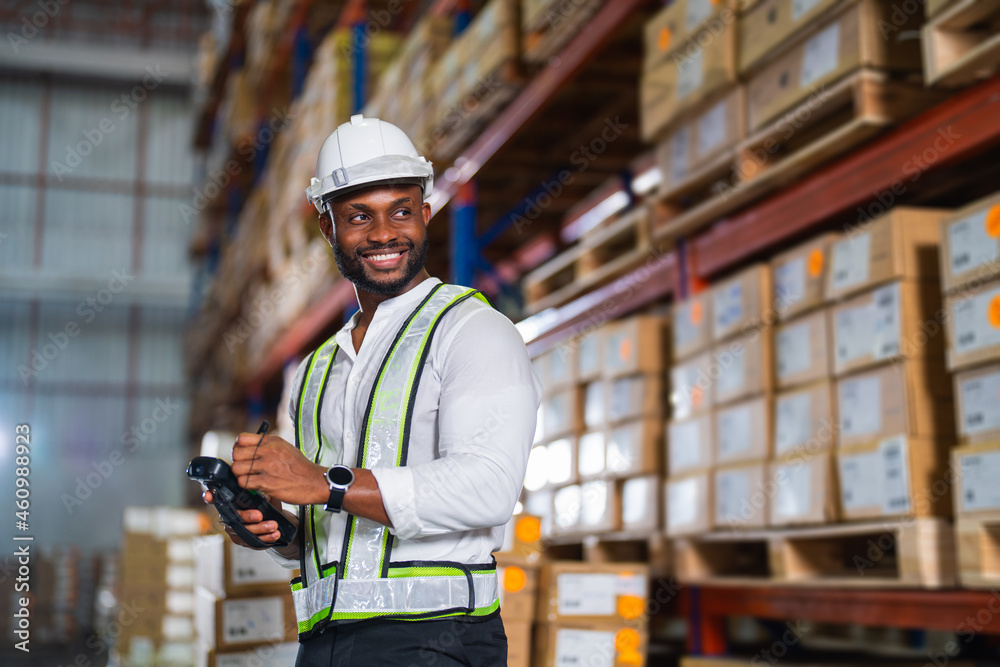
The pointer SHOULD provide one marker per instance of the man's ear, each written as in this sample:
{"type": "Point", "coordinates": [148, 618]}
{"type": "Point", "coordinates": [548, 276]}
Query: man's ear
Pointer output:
{"type": "Point", "coordinates": [426, 209]}
{"type": "Point", "coordinates": [326, 226]}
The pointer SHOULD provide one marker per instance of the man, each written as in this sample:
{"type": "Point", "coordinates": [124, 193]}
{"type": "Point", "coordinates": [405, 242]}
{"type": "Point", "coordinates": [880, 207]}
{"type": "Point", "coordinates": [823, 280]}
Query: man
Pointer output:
{"type": "Point", "coordinates": [413, 428]}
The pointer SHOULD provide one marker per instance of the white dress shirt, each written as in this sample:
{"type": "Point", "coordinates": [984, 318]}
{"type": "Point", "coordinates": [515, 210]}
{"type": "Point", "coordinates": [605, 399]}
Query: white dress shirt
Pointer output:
{"type": "Point", "coordinates": [471, 433]}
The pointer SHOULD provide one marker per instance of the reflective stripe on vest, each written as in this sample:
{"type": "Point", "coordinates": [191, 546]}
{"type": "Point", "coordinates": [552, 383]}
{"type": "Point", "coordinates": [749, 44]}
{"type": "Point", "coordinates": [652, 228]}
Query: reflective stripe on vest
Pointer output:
{"type": "Point", "coordinates": [364, 583]}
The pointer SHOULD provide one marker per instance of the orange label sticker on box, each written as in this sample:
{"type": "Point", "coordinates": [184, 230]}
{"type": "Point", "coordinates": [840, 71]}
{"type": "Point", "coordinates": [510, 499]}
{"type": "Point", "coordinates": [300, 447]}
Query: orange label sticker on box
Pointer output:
{"type": "Point", "coordinates": [994, 312]}
{"type": "Point", "coordinates": [633, 658]}
{"type": "Point", "coordinates": [630, 607]}
{"type": "Point", "coordinates": [528, 529]}
{"type": "Point", "coordinates": [626, 640]}
{"type": "Point", "coordinates": [665, 37]}
{"type": "Point", "coordinates": [696, 395]}
{"type": "Point", "coordinates": [514, 579]}
{"type": "Point", "coordinates": [696, 312]}
{"type": "Point", "coordinates": [993, 222]}
{"type": "Point", "coordinates": [625, 349]}
{"type": "Point", "coordinates": [815, 263]}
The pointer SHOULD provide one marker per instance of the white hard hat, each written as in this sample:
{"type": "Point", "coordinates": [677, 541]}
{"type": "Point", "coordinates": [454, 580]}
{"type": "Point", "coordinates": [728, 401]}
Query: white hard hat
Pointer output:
{"type": "Point", "coordinates": [366, 151]}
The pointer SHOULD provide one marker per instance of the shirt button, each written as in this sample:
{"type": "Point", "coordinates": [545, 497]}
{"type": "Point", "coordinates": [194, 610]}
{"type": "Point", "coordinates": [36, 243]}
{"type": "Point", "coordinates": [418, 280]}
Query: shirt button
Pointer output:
{"type": "Point", "coordinates": [350, 435]}
{"type": "Point", "coordinates": [354, 379]}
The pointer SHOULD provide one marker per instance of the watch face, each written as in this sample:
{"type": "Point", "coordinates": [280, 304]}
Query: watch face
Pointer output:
{"type": "Point", "coordinates": [340, 475]}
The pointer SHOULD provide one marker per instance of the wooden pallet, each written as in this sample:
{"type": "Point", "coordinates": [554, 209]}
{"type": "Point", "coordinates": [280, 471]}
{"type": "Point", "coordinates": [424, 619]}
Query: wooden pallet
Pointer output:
{"type": "Point", "coordinates": [546, 34]}
{"type": "Point", "coordinates": [825, 126]}
{"type": "Point", "coordinates": [962, 43]}
{"type": "Point", "coordinates": [914, 554]}
{"type": "Point", "coordinates": [620, 547]}
{"type": "Point", "coordinates": [597, 259]}
{"type": "Point", "coordinates": [978, 542]}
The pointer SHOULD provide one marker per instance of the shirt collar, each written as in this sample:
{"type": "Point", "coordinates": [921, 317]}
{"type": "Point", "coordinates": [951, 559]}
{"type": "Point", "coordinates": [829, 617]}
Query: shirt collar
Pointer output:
{"type": "Point", "coordinates": [406, 299]}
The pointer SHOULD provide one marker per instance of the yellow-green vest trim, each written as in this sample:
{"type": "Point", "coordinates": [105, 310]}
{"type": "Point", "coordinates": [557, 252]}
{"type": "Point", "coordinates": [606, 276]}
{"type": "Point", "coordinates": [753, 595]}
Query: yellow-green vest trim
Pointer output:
{"type": "Point", "coordinates": [364, 583]}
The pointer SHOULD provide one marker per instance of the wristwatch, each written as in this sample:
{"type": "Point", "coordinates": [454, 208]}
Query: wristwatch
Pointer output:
{"type": "Point", "coordinates": [340, 478]}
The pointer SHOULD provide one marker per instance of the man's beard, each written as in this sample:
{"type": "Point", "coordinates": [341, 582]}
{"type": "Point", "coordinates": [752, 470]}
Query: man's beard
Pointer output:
{"type": "Point", "coordinates": [352, 267]}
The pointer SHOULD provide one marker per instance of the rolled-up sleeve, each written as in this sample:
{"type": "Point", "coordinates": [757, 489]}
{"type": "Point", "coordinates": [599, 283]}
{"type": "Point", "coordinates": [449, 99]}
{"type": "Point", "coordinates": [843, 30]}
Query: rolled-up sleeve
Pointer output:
{"type": "Point", "coordinates": [486, 416]}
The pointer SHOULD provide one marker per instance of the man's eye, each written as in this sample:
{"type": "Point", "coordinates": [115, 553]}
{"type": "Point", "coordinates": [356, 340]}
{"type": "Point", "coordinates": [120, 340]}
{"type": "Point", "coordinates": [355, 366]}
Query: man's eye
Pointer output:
{"type": "Point", "coordinates": [402, 213]}
{"type": "Point", "coordinates": [358, 217]}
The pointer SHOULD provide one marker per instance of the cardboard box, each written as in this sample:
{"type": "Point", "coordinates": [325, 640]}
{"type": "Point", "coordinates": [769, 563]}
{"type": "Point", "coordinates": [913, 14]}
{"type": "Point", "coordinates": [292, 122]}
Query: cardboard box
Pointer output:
{"type": "Point", "coordinates": [595, 404]}
{"type": "Point", "coordinates": [522, 539]}
{"type": "Point", "coordinates": [692, 325]}
{"type": "Point", "coordinates": [592, 454]}
{"type": "Point", "coordinates": [970, 244]}
{"type": "Point", "coordinates": [590, 355]}
{"type": "Point", "coordinates": [635, 396]}
{"type": "Point", "coordinates": [976, 469]}
{"type": "Point", "coordinates": [689, 501]}
{"type": "Point", "coordinates": [742, 303]}
{"type": "Point", "coordinates": [898, 320]}
{"type": "Point", "coordinates": [977, 404]}
{"type": "Point", "coordinates": [691, 387]}
{"type": "Point", "coordinates": [560, 457]}
{"type": "Point", "coordinates": [563, 413]}
{"type": "Point", "coordinates": [518, 588]}
{"type": "Point", "coordinates": [800, 276]}
{"type": "Point", "coordinates": [900, 245]}
{"type": "Point", "coordinates": [566, 510]}
{"type": "Point", "coordinates": [805, 419]}
{"type": "Point", "coordinates": [641, 503]}
{"type": "Point", "coordinates": [239, 622]}
{"type": "Point", "coordinates": [691, 444]}
{"type": "Point", "coordinates": [805, 489]}
{"type": "Point", "coordinates": [767, 27]}
{"type": "Point", "coordinates": [802, 349]}
{"type": "Point", "coordinates": [934, 7]}
{"type": "Point", "coordinates": [685, 79]}
{"type": "Point", "coordinates": [743, 431]}
{"type": "Point", "coordinates": [518, 643]}
{"type": "Point", "coordinates": [613, 645]}
{"type": "Point", "coordinates": [675, 23]}
{"type": "Point", "coordinates": [706, 134]}
{"type": "Point", "coordinates": [897, 476]}
{"type": "Point", "coordinates": [635, 345]}
{"type": "Point", "coordinates": [837, 46]}
{"type": "Point", "coordinates": [974, 326]}
{"type": "Point", "coordinates": [600, 506]}
{"type": "Point", "coordinates": [741, 496]}
{"type": "Point", "coordinates": [911, 398]}
{"type": "Point", "coordinates": [635, 447]}
{"type": "Point", "coordinates": [226, 569]}
{"type": "Point", "coordinates": [591, 592]}
{"type": "Point", "coordinates": [266, 654]}
{"type": "Point", "coordinates": [746, 367]}
{"type": "Point", "coordinates": [557, 368]}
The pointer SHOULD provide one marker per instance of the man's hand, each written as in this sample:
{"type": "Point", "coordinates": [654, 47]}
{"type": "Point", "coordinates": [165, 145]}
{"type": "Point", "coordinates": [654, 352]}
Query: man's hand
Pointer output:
{"type": "Point", "coordinates": [266, 531]}
{"type": "Point", "coordinates": [278, 469]}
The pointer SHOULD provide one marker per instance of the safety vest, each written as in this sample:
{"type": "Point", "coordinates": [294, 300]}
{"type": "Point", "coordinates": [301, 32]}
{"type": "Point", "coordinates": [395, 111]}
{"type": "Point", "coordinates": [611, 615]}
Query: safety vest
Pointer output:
{"type": "Point", "coordinates": [363, 583]}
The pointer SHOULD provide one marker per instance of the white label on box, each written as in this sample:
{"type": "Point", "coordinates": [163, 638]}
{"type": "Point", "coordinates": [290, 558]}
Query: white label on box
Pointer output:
{"type": "Point", "coordinates": [682, 502]}
{"type": "Point", "coordinates": [566, 506]}
{"type": "Point", "coordinates": [732, 493]}
{"type": "Point", "coordinates": [850, 261]}
{"type": "Point", "coordinates": [684, 329]}
{"type": "Point", "coordinates": [790, 283]}
{"type": "Point", "coordinates": [852, 333]}
{"type": "Point", "coordinates": [793, 497]}
{"type": "Point", "coordinates": [690, 74]}
{"type": "Point", "coordinates": [821, 56]}
{"type": "Point", "coordinates": [588, 357]}
{"type": "Point", "coordinates": [272, 654]}
{"type": "Point", "coordinates": [794, 421]}
{"type": "Point", "coordinates": [734, 429]}
{"type": "Point", "coordinates": [586, 594]}
{"type": "Point", "coordinates": [579, 648]}
{"type": "Point", "coordinates": [728, 306]}
{"type": "Point", "coordinates": [253, 620]}
{"type": "Point", "coordinates": [592, 454]}
{"type": "Point", "coordinates": [254, 567]}
{"type": "Point", "coordinates": [679, 146]}
{"type": "Point", "coordinates": [971, 245]}
{"type": "Point", "coordinates": [622, 395]}
{"type": "Point", "coordinates": [635, 496]}
{"type": "Point", "coordinates": [981, 404]}
{"type": "Point", "coordinates": [896, 478]}
{"type": "Point", "coordinates": [733, 376]}
{"type": "Point", "coordinates": [623, 449]}
{"type": "Point", "coordinates": [794, 350]}
{"type": "Point", "coordinates": [593, 409]}
{"type": "Point", "coordinates": [559, 455]}
{"type": "Point", "coordinates": [712, 128]}
{"type": "Point", "coordinates": [697, 11]}
{"type": "Point", "coordinates": [860, 406]}
{"type": "Point", "coordinates": [980, 473]}
{"type": "Point", "coordinates": [686, 445]}
{"type": "Point", "coordinates": [885, 332]}
{"type": "Point", "coordinates": [593, 503]}
{"type": "Point", "coordinates": [860, 479]}
{"type": "Point", "coordinates": [631, 584]}
{"type": "Point", "coordinates": [802, 7]}
{"type": "Point", "coordinates": [973, 330]}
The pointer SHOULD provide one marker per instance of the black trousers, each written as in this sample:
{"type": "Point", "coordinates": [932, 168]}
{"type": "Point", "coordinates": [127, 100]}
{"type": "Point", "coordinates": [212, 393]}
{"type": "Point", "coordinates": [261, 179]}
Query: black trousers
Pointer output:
{"type": "Point", "coordinates": [442, 643]}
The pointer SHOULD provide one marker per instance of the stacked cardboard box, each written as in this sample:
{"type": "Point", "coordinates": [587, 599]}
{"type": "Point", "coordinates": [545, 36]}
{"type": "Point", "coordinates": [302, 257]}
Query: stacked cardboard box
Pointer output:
{"type": "Point", "coordinates": [157, 585]}
{"type": "Point", "coordinates": [242, 602]}
{"type": "Point", "coordinates": [894, 402]}
{"type": "Point", "coordinates": [518, 563]}
{"type": "Point", "coordinates": [805, 421]}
